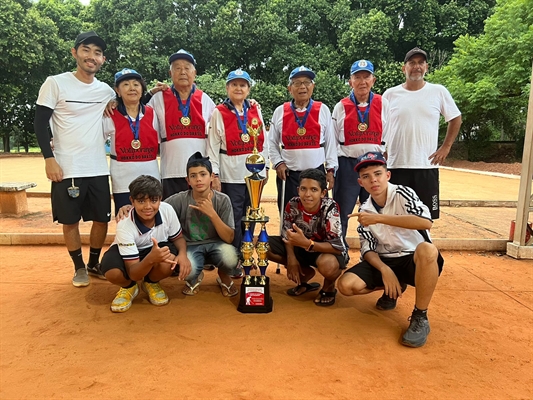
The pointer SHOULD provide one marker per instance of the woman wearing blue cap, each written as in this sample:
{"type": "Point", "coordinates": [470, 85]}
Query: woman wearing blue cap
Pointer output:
{"type": "Point", "coordinates": [230, 142]}
{"type": "Point", "coordinates": [133, 132]}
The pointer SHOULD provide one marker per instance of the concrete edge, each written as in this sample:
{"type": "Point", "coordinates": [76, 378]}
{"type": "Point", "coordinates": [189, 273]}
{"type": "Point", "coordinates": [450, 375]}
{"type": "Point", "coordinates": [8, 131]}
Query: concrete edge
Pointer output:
{"type": "Point", "coordinates": [489, 173]}
{"type": "Point", "coordinates": [443, 203]}
{"type": "Point", "coordinates": [9, 239]}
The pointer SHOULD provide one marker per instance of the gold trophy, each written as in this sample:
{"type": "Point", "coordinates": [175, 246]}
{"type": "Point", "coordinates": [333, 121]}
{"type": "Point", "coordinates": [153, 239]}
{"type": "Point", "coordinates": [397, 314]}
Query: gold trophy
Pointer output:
{"type": "Point", "coordinates": [255, 291]}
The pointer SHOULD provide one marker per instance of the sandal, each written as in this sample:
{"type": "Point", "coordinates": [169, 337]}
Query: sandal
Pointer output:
{"type": "Point", "coordinates": [191, 290]}
{"type": "Point", "coordinates": [309, 287]}
{"type": "Point", "coordinates": [227, 290]}
{"type": "Point", "coordinates": [325, 295]}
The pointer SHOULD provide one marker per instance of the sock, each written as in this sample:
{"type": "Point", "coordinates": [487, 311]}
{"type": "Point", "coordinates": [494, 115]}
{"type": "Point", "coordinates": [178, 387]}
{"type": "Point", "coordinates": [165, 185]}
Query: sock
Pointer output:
{"type": "Point", "coordinates": [132, 284]}
{"type": "Point", "coordinates": [94, 256]}
{"type": "Point", "coordinates": [422, 312]}
{"type": "Point", "coordinates": [77, 258]}
{"type": "Point", "coordinates": [148, 280]}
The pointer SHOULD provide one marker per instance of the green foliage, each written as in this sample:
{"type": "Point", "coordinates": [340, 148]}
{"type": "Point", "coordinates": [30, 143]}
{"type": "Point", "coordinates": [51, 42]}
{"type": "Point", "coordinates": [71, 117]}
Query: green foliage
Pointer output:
{"type": "Point", "coordinates": [489, 76]}
{"type": "Point", "coordinates": [268, 38]}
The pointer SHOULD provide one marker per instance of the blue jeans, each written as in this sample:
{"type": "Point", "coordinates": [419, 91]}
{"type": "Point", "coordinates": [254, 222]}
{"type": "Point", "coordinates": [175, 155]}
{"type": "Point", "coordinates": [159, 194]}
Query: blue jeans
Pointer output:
{"type": "Point", "coordinates": [222, 255]}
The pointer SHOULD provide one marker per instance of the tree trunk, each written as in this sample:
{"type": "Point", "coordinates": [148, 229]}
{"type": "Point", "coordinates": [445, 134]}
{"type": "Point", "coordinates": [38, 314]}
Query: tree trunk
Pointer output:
{"type": "Point", "coordinates": [5, 138]}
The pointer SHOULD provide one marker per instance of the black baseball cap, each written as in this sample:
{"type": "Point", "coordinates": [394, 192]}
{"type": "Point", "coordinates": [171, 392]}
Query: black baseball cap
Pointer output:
{"type": "Point", "coordinates": [414, 52]}
{"type": "Point", "coordinates": [197, 158]}
{"type": "Point", "coordinates": [90, 37]}
{"type": "Point", "coordinates": [372, 157]}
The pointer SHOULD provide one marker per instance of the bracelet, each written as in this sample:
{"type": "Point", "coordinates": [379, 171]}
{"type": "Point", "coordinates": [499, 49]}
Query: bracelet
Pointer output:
{"type": "Point", "coordinates": [311, 245]}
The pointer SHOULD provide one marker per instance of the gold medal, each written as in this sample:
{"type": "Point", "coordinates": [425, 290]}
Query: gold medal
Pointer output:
{"type": "Point", "coordinates": [301, 131]}
{"type": "Point", "coordinates": [245, 137]}
{"type": "Point", "coordinates": [185, 121]}
{"type": "Point", "coordinates": [136, 144]}
{"type": "Point", "coordinates": [362, 127]}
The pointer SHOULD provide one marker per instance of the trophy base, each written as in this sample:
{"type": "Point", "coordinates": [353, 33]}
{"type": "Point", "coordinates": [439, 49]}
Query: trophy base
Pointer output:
{"type": "Point", "coordinates": [255, 298]}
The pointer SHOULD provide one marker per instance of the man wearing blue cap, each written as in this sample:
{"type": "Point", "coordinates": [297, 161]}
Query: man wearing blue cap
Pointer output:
{"type": "Point", "coordinates": [183, 112]}
{"type": "Point", "coordinates": [72, 104]}
{"type": "Point", "coordinates": [412, 145]}
{"type": "Point", "coordinates": [396, 248]}
{"type": "Point", "coordinates": [301, 136]}
{"type": "Point", "coordinates": [230, 143]}
{"type": "Point", "coordinates": [359, 121]}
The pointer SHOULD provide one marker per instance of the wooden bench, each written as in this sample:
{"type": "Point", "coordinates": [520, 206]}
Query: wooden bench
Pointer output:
{"type": "Point", "coordinates": [13, 198]}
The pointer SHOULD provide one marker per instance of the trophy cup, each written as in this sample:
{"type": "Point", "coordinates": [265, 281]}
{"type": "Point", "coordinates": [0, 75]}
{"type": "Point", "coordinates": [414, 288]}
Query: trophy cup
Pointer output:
{"type": "Point", "coordinates": [255, 290]}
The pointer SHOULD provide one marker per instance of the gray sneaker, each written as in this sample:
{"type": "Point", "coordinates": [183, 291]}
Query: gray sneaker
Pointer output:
{"type": "Point", "coordinates": [81, 278]}
{"type": "Point", "coordinates": [95, 271]}
{"type": "Point", "coordinates": [418, 331]}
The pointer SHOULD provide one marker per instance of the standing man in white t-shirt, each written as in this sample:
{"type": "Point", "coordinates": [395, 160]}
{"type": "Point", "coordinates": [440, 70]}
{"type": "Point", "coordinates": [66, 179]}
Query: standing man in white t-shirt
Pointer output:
{"type": "Point", "coordinates": [73, 103]}
{"type": "Point", "coordinates": [412, 145]}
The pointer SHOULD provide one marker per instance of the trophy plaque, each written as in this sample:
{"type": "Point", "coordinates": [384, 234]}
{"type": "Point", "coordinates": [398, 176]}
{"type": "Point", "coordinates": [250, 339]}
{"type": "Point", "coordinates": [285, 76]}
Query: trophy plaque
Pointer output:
{"type": "Point", "coordinates": [255, 289]}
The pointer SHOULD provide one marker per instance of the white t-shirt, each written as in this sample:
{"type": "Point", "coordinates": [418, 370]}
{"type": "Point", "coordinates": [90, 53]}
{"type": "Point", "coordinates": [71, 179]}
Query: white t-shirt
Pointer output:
{"type": "Point", "coordinates": [79, 145]}
{"type": "Point", "coordinates": [413, 132]}
{"type": "Point", "coordinates": [176, 153]}
{"type": "Point", "coordinates": [231, 169]}
{"type": "Point", "coordinates": [132, 236]}
{"type": "Point", "coordinates": [357, 150]}
{"type": "Point", "coordinates": [300, 159]}
{"type": "Point", "coordinates": [123, 173]}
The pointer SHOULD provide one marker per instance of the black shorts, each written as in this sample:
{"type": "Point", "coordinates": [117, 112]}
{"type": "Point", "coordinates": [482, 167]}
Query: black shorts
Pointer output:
{"type": "Point", "coordinates": [403, 267]}
{"type": "Point", "coordinates": [425, 182]}
{"type": "Point", "coordinates": [112, 258]}
{"type": "Point", "coordinates": [92, 204]}
{"type": "Point", "coordinates": [305, 258]}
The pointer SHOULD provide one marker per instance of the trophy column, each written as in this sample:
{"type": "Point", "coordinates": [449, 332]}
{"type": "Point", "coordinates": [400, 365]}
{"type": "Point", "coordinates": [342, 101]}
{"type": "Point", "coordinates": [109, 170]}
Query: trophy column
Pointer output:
{"type": "Point", "coordinates": [255, 289]}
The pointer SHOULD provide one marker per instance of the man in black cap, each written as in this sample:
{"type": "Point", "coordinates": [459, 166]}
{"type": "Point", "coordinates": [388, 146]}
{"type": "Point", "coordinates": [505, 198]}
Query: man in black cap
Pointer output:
{"type": "Point", "coordinates": [72, 104]}
{"type": "Point", "coordinates": [396, 248]}
{"type": "Point", "coordinates": [412, 142]}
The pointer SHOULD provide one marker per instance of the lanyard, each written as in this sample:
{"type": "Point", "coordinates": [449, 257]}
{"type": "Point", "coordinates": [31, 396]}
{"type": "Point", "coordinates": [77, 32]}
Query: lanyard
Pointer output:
{"type": "Point", "coordinates": [135, 126]}
{"type": "Point", "coordinates": [301, 122]}
{"type": "Point", "coordinates": [184, 108]}
{"type": "Point", "coordinates": [363, 118]}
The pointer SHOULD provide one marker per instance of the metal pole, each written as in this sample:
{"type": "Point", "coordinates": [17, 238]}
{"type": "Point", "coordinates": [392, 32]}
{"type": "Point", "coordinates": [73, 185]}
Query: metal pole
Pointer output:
{"type": "Point", "coordinates": [281, 209]}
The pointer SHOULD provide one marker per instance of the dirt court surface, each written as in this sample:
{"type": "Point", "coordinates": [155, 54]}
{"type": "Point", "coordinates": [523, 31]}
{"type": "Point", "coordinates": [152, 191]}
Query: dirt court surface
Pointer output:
{"type": "Point", "coordinates": [58, 341]}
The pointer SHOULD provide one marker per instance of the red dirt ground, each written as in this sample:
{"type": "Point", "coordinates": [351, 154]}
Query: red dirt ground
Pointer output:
{"type": "Point", "coordinates": [58, 341]}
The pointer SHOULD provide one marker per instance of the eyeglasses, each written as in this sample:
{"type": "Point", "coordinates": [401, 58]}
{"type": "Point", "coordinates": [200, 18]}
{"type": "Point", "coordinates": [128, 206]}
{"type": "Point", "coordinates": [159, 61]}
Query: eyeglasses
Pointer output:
{"type": "Point", "coordinates": [300, 83]}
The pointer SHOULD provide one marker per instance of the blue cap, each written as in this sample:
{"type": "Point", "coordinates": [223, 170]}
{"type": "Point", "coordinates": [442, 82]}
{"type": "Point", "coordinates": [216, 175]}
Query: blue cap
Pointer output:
{"type": "Point", "coordinates": [182, 55]}
{"type": "Point", "coordinates": [302, 71]}
{"type": "Point", "coordinates": [239, 74]}
{"type": "Point", "coordinates": [362, 65]}
{"type": "Point", "coordinates": [372, 157]}
{"type": "Point", "coordinates": [126, 73]}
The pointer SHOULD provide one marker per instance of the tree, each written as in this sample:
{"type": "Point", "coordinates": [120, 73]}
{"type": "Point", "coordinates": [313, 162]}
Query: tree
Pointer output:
{"type": "Point", "coordinates": [489, 76]}
{"type": "Point", "coordinates": [29, 46]}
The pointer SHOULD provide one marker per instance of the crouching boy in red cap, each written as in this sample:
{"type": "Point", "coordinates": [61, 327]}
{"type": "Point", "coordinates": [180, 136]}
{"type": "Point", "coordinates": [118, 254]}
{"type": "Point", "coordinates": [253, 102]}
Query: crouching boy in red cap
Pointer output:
{"type": "Point", "coordinates": [396, 249]}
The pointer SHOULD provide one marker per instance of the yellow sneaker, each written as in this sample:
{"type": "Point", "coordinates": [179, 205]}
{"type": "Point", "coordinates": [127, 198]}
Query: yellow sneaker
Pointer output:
{"type": "Point", "coordinates": [156, 294]}
{"type": "Point", "coordinates": [124, 298]}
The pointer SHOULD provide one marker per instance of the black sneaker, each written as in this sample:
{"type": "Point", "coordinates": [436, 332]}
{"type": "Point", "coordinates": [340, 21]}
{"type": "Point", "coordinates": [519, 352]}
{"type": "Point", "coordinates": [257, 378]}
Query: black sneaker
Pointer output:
{"type": "Point", "coordinates": [95, 271]}
{"type": "Point", "coordinates": [386, 303]}
{"type": "Point", "coordinates": [418, 331]}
